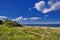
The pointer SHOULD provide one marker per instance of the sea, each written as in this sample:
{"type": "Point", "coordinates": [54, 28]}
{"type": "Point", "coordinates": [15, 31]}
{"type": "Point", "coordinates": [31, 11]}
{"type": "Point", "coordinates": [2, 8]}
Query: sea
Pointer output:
{"type": "Point", "coordinates": [44, 25]}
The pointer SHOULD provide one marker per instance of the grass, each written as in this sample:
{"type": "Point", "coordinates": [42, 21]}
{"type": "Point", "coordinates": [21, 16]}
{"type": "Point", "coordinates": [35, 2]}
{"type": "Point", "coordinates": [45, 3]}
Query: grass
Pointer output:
{"type": "Point", "coordinates": [28, 33]}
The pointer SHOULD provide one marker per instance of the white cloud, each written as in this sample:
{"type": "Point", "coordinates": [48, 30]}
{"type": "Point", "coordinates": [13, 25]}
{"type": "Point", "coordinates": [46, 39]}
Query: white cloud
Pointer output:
{"type": "Point", "coordinates": [34, 18]}
{"type": "Point", "coordinates": [24, 19]}
{"type": "Point", "coordinates": [53, 5]}
{"type": "Point", "coordinates": [3, 17]}
{"type": "Point", "coordinates": [40, 5]}
{"type": "Point", "coordinates": [18, 18]}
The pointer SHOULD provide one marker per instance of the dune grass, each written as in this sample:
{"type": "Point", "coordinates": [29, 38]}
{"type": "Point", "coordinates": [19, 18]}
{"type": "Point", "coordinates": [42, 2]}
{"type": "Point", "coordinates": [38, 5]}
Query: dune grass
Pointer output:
{"type": "Point", "coordinates": [28, 33]}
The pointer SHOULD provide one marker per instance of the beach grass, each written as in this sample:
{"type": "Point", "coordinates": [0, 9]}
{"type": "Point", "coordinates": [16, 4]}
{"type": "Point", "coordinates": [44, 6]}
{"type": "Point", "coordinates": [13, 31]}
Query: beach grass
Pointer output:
{"type": "Point", "coordinates": [29, 33]}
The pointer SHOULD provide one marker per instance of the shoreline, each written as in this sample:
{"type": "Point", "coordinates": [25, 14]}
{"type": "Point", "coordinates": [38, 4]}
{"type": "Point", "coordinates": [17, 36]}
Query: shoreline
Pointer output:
{"type": "Point", "coordinates": [45, 27]}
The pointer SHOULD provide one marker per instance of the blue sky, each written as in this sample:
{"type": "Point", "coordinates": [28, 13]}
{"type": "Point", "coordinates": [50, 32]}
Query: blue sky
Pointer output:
{"type": "Point", "coordinates": [31, 11]}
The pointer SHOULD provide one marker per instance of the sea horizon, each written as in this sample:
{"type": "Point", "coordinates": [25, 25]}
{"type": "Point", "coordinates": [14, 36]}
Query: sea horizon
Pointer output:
{"type": "Point", "coordinates": [44, 25]}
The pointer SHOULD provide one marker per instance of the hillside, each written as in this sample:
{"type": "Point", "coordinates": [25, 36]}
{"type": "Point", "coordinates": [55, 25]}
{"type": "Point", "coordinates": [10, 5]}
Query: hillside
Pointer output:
{"type": "Point", "coordinates": [28, 33]}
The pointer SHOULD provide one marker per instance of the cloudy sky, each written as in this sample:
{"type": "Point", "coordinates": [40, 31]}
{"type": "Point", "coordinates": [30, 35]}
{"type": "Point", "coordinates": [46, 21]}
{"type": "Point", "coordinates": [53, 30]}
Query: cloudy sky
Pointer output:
{"type": "Point", "coordinates": [31, 11]}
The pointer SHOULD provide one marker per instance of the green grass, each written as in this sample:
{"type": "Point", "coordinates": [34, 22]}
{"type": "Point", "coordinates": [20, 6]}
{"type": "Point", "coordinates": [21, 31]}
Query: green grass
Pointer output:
{"type": "Point", "coordinates": [28, 33]}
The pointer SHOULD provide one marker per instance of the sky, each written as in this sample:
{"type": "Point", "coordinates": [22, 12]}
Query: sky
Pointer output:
{"type": "Point", "coordinates": [31, 11]}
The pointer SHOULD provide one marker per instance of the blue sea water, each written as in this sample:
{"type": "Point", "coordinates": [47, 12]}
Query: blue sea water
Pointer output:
{"type": "Point", "coordinates": [44, 25]}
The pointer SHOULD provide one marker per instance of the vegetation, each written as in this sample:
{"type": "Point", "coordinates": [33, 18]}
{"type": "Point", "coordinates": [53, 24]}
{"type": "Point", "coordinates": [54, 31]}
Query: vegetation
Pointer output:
{"type": "Point", "coordinates": [1, 22]}
{"type": "Point", "coordinates": [27, 33]}
{"type": "Point", "coordinates": [10, 23]}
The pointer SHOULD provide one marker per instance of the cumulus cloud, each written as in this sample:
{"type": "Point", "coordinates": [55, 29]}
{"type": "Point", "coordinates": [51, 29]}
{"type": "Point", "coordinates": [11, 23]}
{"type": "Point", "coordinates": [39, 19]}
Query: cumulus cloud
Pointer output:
{"type": "Point", "coordinates": [42, 6]}
{"type": "Point", "coordinates": [22, 18]}
{"type": "Point", "coordinates": [3, 17]}
{"type": "Point", "coordinates": [35, 18]}
{"type": "Point", "coordinates": [18, 18]}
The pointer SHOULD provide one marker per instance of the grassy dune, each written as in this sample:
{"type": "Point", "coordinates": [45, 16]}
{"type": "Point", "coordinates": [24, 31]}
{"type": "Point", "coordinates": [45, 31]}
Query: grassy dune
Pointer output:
{"type": "Point", "coordinates": [28, 33]}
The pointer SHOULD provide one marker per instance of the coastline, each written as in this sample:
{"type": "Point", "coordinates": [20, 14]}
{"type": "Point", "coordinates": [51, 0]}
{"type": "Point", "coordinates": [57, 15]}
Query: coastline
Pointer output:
{"type": "Point", "coordinates": [45, 27]}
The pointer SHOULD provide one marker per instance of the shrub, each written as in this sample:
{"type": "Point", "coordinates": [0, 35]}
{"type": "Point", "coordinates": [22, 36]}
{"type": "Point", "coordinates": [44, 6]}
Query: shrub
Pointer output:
{"type": "Point", "coordinates": [1, 22]}
{"type": "Point", "coordinates": [11, 23]}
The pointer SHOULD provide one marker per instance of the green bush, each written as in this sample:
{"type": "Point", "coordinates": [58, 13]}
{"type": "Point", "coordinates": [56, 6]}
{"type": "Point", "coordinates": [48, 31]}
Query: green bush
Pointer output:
{"type": "Point", "coordinates": [11, 23]}
{"type": "Point", "coordinates": [1, 22]}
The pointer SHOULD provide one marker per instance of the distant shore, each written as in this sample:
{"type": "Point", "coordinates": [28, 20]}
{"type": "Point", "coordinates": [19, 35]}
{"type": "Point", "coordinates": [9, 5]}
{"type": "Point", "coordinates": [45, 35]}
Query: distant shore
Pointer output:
{"type": "Point", "coordinates": [45, 27]}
